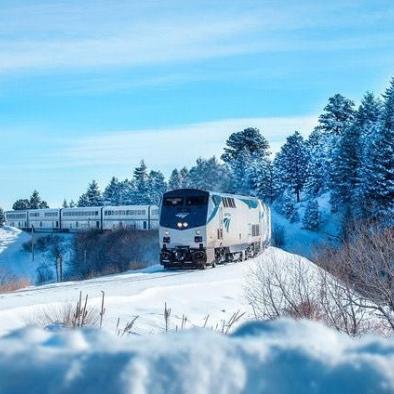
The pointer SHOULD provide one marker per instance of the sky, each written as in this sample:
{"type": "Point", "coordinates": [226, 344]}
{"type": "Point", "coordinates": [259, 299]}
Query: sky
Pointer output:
{"type": "Point", "coordinates": [89, 88]}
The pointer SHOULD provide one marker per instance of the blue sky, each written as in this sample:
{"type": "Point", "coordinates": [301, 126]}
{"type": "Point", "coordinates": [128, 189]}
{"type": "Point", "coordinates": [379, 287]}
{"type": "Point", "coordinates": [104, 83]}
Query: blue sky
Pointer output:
{"type": "Point", "coordinates": [89, 88]}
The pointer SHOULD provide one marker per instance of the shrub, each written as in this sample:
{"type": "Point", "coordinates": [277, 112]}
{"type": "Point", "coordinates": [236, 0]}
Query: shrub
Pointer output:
{"type": "Point", "coordinates": [97, 253]}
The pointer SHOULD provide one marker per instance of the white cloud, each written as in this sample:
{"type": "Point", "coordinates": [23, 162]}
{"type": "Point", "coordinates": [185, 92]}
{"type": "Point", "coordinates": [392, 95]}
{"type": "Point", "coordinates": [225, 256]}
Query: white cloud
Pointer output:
{"type": "Point", "coordinates": [173, 147]}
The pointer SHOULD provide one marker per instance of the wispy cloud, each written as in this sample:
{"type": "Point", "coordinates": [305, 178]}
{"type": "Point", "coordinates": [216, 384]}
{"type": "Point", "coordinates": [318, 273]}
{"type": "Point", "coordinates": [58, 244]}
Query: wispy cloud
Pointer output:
{"type": "Point", "coordinates": [88, 34]}
{"type": "Point", "coordinates": [170, 147]}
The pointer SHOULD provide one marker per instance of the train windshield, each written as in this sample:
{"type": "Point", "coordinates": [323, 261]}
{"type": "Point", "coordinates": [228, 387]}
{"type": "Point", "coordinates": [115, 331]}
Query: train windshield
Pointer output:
{"type": "Point", "coordinates": [188, 210]}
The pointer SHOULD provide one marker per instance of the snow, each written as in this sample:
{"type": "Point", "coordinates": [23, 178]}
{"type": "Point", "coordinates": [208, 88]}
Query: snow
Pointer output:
{"type": "Point", "coordinates": [16, 261]}
{"type": "Point", "coordinates": [304, 242]}
{"type": "Point", "coordinates": [278, 357]}
{"type": "Point", "coordinates": [217, 292]}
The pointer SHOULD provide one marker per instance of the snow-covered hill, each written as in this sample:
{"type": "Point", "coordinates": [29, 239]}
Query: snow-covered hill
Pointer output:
{"type": "Point", "coordinates": [215, 292]}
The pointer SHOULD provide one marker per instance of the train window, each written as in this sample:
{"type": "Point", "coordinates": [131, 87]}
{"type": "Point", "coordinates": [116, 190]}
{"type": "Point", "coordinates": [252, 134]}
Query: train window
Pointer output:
{"type": "Point", "coordinates": [196, 200]}
{"type": "Point", "coordinates": [173, 201]}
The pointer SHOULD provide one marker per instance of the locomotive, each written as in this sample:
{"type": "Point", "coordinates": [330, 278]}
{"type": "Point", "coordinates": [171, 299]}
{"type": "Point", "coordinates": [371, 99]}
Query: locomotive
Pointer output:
{"type": "Point", "coordinates": [200, 228]}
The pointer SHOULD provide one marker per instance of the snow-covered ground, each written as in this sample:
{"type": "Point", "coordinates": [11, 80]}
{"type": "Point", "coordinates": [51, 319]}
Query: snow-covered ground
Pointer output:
{"type": "Point", "coordinates": [218, 292]}
{"type": "Point", "coordinates": [18, 262]}
{"type": "Point", "coordinates": [304, 242]}
{"type": "Point", "coordinates": [277, 357]}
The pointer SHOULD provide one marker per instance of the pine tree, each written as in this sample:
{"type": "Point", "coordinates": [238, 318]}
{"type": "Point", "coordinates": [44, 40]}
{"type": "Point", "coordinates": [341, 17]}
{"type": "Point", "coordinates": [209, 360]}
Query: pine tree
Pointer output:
{"type": "Point", "coordinates": [92, 197]}
{"type": "Point", "coordinates": [174, 181]}
{"type": "Point", "coordinates": [260, 179]}
{"type": "Point", "coordinates": [380, 165]}
{"type": "Point", "coordinates": [291, 164]}
{"type": "Point", "coordinates": [65, 204]}
{"type": "Point", "coordinates": [21, 205]}
{"type": "Point", "coordinates": [311, 219]}
{"type": "Point", "coordinates": [368, 120]}
{"type": "Point", "coordinates": [141, 184]}
{"type": "Point", "coordinates": [36, 202]}
{"type": "Point", "coordinates": [288, 207]}
{"type": "Point", "coordinates": [318, 164]}
{"type": "Point", "coordinates": [209, 175]}
{"type": "Point", "coordinates": [111, 193]}
{"type": "Point", "coordinates": [184, 177]}
{"type": "Point", "coordinates": [338, 114]}
{"type": "Point", "coordinates": [72, 204]}
{"type": "Point", "coordinates": [156, 187]}
{"type": "Point", "coordinates": [249, 140]}
{"type": "Point", "coordinates": [345, 166]}
{"type": "Point", "coordinates": [2, 217]}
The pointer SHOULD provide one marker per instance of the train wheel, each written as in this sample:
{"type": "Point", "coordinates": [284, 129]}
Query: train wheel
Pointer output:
{"type": "Point", "coordinates": [203, 266]}
{"type": "Point", "coordinates": [213, 264]}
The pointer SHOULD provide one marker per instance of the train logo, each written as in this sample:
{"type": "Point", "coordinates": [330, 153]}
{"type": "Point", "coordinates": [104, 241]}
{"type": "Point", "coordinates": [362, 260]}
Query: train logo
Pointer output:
{"type": "Point", "coordinates": [226, 222]}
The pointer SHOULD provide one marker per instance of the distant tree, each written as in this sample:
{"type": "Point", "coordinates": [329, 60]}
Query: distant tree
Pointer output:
{"type": "Point", "coordinates": [260, 177]}
{"type": "Point", "coordinates": [209, 174]}
{"type": "Point", "coordinates": [111, 195]}
{"type": "Point", "coordinates": [291, 164]}
{"type": "Point", "coordinates": [183, 176]}
{"type": "Point", "coordinates": [337, 115]}
{"type": "Point", "coordinates": [2, 217]}
{"type": "Point", "coordinates": [318, 164]}
{"type": "Point", "coordinates": [92, 197]}
{"type": "Point", "coordinates": [21, 204]}
{"type": "Point", "coordinates": [249, 140]}
{"type": "Point", "coordinates": [72, 204]}
{"type": "Point", "coordinates": [174, 182]}
{"type": "Point", "coordinates": [141, 184]}
{"type": "Point", "coordinates": [288, 207]}
{"type": "Point", "coordinates": [311, 219]}
{"type": "Point", "coordinates": [65, 204]}
{"type": "Point", "coordinates": [156, 187]}
{"type": "Point", "coordinates": [36, 202]}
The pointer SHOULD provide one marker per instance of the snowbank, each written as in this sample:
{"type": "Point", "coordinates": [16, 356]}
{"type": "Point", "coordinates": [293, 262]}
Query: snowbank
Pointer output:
{"type": "Point", "coordinates": [278, 357]}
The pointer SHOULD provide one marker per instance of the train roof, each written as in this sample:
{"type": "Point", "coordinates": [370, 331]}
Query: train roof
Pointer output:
{"type": "Point", "coordinates": [199, 192]}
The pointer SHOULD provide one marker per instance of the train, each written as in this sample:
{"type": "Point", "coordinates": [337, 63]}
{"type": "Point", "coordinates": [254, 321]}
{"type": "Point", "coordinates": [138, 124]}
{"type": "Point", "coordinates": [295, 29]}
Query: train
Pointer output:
{"type": "Point", "coordinates": [200, 228]}
{"type": "Point", "coordinates": [136, 217]}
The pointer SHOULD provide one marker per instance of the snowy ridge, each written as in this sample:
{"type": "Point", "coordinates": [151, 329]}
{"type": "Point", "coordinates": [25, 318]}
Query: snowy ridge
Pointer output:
{"type": "Point", "coordinates": [278, 357]}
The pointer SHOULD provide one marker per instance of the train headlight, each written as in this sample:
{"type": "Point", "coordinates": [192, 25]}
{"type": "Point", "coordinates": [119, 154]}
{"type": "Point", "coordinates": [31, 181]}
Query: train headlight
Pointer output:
{"type": "Point", "coordinates": [179, 225]}
{"type": "Point", "coordinates": [166, 233]}
{"type": "Point", "coordinates": [185, 224]}
{"type": "Point", "coordinates": [198, 232]}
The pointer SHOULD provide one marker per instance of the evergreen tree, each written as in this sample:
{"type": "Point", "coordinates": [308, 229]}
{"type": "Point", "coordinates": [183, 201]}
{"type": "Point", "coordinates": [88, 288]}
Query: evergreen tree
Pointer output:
{"type": "Point", "coordinates": [260, 179]}
{"type": "Point", "coordinates": [36, 202]}
{"type": "Point", "coordinates": [345, 165]}
{"type": "Point", "coordinates": [111, 195]}
{"type": "Point", "coordinates": [249, 140]}
{"type": "Point", "coordinates": [288, 207]}
{"type": "Point", "coordinates": [72, 204]}
{"type": "Point", "coordinates": [368, 120]}
{"type": "Point", "coordinates": [184, 176]}
{"type": "Point", "coordinates": [291, 164]}
{"type": "Point", "coordinates": [141, 184]}
{"type": "Point", "coordinates": [380, 165]}
{"type": "Point", "coordinates": [209, 175]}
{"type": "Point", "coordinates": [65, 204]}
{"type": "Point", "coordinates": [338, 114]}
{"type": "Point", "coordinates": [174, 181]}
{"type": "Point", "coordinates": [21, 204]}
{"type": "Point", "coordinates": [2, 217]}
{"type": "Point", "coordinates": [92, 197]}
{"type": "Point", "coordinates": [311, 219]}
{"type": "Point", "coordinates": [156, 187]}
{"type": "Point", "coordinates": [318, 164]}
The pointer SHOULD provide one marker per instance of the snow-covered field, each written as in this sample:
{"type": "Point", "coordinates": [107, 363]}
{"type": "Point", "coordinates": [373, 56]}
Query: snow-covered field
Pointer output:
{"type": "Point", "coordinates": [277, 357]}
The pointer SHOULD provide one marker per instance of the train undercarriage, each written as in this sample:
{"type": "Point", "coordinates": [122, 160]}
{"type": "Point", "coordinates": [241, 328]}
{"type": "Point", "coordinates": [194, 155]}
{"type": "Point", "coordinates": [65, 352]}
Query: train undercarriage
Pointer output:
{"type": "Point", "coordinates": [186, 257]}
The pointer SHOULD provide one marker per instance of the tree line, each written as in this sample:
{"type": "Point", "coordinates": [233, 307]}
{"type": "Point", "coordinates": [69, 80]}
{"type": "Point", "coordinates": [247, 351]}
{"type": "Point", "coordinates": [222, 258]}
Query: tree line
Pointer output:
{"type": "Point", "coordinates": [349, 154]}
